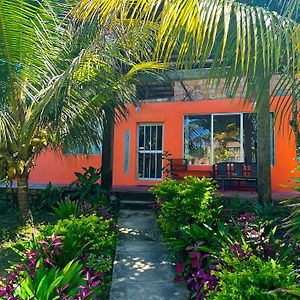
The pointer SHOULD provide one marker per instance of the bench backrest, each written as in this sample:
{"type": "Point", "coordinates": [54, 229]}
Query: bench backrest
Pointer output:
{"type": "Point", "coordinates": [252, 169]}
{"type": "Point", "coordinates": [238, 169]}
{"type": "Point", "coordinates": [234, 169]}
{"type": "Point", "coordinates": [221, 170]}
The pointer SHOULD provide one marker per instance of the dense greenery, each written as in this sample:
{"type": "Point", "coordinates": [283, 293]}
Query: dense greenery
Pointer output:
{"type": "Point", "coordinates": [251, 278]}
{"type": "Point", "coordinates": [57, 76]}
{"type": "Point", "coordinates": [191, 201]}
{"type": "Point", "coordinates": [70, 258]}
{"type": "Point", "coordinates": [241, 252]}
{"type": "Point", "coordinates": [84, 233]}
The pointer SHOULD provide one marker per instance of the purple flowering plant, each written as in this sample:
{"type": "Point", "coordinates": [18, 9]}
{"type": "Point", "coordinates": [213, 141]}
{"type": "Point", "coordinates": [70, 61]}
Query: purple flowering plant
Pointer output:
{"type": "Point", "coordinates": [100, 266]}
{"type": "Point", "coordinates": [265, 242]}
{"type": "Point", "coordinates": [200, 264]}
{"type": "Point", "coordinates": [240, 251]}
{"type": "Point", "coordinates": [39, 275]}
{"type": "Point", "coordinates": [243, 238]}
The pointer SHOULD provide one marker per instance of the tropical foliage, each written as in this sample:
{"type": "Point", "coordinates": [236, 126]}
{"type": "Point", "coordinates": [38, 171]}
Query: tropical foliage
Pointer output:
{"type": "Point", "coordinates": [243, 254]}
{"type": "Point", "coordinates": [24, 60]}
{"type": "Point", "coordinates": [188, 202]}
{"type": "Point", "coordinates": [244, 42]}
{"type": "Point", "coordinates": [260, 277]}
{"type": "Point", "coordinates": [56, 80]}
{"type": "Point", "coordinates": [69, 259]}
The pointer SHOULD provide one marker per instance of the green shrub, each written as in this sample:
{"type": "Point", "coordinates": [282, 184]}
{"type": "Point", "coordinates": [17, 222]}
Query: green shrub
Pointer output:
{"type": "Point", "coordinates": [99, 263]}
{"type": "Point", "coordinates": [166, 190]}
{"type": "Point", "coordinates": [65, 209]}
{"type": "Point", "coordinates": [88, 240]}
{"type": "Point", "coordinates": [82, 234]}
{"type": "Point", "coordinates": [251, 278]}
{"type": "Point", "coordinates": [184, 203]}
{"type": "Point", "coordinates": [49, 197]}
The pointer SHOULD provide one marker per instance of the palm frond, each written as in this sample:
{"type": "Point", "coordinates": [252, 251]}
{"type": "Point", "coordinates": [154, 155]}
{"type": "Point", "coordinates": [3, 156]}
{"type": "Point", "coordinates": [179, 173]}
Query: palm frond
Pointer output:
{"type": "Point", "coordinates": [7, 129]}
{"type": "Point", "coordinates": [242, 41]}
{"type": "Point", "coordinates": [26, 31]}
{"type": "Point", "coordinates": [98, 71]}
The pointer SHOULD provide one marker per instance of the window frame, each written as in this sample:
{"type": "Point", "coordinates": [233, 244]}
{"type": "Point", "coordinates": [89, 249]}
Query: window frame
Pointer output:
{"type": "Point", "coordinates": [242, 152]}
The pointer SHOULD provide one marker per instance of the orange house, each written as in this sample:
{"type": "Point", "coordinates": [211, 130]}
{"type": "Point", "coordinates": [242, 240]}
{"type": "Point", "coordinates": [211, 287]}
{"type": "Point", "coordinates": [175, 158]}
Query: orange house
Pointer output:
{"type": "Point", "coordinates": [190, 120]}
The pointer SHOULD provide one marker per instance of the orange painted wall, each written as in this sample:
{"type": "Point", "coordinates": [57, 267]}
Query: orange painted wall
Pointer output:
{"type": "Point", "coordinates": [60, 169]}
{"type": "Point", "coordinates": [171, 115]}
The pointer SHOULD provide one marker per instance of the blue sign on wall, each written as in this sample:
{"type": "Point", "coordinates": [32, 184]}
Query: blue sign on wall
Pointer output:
{"type": "Point", "coordinates": [127, 152]}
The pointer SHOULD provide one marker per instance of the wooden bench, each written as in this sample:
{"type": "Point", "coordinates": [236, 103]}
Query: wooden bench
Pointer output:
{"type": "Point", "coordinates": [235, 174]}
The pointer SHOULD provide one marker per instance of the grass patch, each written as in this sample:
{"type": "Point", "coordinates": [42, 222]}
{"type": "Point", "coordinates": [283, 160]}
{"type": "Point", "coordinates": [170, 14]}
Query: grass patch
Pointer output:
{"type": "Point", "coordinates": [10, 232]}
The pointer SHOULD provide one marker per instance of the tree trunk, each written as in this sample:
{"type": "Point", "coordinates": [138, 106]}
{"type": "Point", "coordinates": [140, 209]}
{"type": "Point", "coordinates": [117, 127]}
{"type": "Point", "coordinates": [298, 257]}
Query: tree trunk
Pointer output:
{"type": "Point", "coordinates": [107, 151]}
{"type": "Point", "coordinates": [23, 198]}
{"type": "Point", "coordinates": [295, 127]}
{"type": "Point", "coordinates": [264, 149]}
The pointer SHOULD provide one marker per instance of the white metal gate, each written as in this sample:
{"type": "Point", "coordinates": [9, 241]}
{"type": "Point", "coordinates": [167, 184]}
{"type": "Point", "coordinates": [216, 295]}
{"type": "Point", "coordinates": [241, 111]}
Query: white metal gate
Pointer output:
{"type": "Point", "coordinates": [150, 149]}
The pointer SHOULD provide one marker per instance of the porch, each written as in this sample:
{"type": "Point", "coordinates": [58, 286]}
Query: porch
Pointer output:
{"type": "Point", "coordinates": [276, 195]}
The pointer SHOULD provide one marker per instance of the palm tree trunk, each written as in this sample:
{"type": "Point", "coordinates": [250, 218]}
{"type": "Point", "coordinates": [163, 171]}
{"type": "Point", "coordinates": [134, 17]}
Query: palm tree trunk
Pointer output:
{"type": "Point", "coordinates": [107, 151]}
{"type": "Point", "coordinates": [23, 197]}
{"type": "Point", "coordinates": [264, 149]}
{"type": "Point", "coordinates": [295, 127]}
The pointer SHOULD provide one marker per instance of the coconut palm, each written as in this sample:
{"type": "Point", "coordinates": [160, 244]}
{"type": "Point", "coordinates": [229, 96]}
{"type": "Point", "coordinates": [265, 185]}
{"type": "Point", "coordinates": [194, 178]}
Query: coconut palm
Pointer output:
{"type": "Point", "coordinates": [54, 82]}
{"type": "Point", "coordinates": [246, 44]}
{"type": "Point", "coordinates": [26, 54]}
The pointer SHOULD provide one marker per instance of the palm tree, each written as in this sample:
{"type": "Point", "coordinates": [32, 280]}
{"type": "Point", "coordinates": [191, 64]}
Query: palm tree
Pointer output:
{"type": "Point", "coordinates": [55, 81]}
{"type": "Point", "coordinates": [246, 44]}
{"type": "Point", "coordinates": [25, 55]}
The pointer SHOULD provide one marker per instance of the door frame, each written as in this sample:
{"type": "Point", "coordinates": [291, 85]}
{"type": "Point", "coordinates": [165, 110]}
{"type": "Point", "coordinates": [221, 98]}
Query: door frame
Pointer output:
{"type": "Point", "coordinates": [137, 150]}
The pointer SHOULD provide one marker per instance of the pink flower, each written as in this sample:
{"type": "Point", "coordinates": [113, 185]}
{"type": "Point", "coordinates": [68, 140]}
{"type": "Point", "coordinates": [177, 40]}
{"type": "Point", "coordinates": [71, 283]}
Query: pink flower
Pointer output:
{"type": "Point", "coordinates": [194, 262]}
{"type": "Point", "coordinates": [177, 278]}
{"type": "Point", "coordinates": [179, 267]}
{"type": "Point", "coordinates": [42, 242]}
{"type": "Point", "coordinates": [196, 255]}
{"type": "Point", "coordinates": [49, 261]}
{"type": "Point", "coordinates": [46, 248]}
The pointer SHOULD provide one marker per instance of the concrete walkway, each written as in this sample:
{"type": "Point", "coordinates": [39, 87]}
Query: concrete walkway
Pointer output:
{"type": "Point", "coordinates": [142, 270]}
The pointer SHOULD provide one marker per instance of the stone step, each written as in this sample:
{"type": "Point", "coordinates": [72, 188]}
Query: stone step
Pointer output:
{"type": "Point", "coordinates": [135, 204]}
{"type": "Point", "coordinates": [138, 196]}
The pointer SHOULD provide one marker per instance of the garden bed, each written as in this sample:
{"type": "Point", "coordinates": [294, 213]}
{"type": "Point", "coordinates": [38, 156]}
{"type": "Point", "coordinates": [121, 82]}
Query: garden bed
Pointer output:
{"type": "Point", "coordinates": [67, 254]}
{"type": "Point", "coordinates": [233, 250]}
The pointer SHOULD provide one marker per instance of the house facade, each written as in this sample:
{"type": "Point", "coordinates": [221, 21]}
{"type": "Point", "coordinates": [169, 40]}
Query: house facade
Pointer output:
{"type": "Point", "coordinates": [188, 119]}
